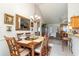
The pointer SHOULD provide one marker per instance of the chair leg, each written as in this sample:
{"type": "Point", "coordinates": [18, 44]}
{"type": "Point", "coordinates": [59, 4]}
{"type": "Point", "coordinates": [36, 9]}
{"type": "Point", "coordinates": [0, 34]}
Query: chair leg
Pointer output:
{"type": "Point", "coordinates": [28, 54]}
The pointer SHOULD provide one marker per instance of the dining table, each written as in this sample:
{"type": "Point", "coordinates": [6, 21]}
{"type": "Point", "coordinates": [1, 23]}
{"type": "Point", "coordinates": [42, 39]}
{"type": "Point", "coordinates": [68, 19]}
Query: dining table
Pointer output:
{"type": "Point", "coordinates": [31, 43]}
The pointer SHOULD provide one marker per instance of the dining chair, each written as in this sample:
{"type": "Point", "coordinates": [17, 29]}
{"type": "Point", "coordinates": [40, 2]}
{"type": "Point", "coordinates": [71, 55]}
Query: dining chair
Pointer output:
{"type": "Point", "coordinates": [15, 49]}
{"type": "Point", "coordinates": [42, 49]}
{"type": "Point", "coordinates": [48, 43]}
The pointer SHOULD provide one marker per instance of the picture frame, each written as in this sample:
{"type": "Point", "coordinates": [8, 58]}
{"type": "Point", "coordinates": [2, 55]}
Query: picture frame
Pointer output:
{"type": "Point", "coordinates": [9, 28]}
{"type": "Point", "coordinates": [22, 23]}
{"type": "Point", "coordinates": [8, 19]}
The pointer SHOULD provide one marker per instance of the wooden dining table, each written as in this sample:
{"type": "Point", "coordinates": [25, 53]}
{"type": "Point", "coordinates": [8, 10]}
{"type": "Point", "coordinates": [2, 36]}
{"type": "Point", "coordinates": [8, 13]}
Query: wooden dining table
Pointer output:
{"type": "Point", "coordinates": [31, 43]}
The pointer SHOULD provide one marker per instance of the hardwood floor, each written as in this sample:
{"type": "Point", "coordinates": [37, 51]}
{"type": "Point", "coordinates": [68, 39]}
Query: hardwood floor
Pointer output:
{"type": "Point", "coordinates": [56, 49]}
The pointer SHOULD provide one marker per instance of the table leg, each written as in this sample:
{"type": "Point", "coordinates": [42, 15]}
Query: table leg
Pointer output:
{"type": "Point", "coordinates": [32, 50]}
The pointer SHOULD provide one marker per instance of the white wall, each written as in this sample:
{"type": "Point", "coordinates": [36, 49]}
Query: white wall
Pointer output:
{"type": "Point", "coordinates": [73, 10]}
{"type": "Point", "coordinates": [26, 10]}
{"type": "Point", "coordinates": [52, 29]}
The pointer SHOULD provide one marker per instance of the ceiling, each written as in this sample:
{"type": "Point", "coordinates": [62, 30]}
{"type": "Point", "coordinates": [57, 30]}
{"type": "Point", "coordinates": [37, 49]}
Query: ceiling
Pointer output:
{"type": "Point", "coordinates": [53, 12]}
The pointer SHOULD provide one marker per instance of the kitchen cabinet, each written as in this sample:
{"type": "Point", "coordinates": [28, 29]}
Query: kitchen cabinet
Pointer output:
{"type": "Point", "coordinates": [75, 22]}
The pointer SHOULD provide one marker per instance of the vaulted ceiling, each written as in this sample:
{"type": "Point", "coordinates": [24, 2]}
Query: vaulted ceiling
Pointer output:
{"type": "Point", "coordinates": [53, 12]}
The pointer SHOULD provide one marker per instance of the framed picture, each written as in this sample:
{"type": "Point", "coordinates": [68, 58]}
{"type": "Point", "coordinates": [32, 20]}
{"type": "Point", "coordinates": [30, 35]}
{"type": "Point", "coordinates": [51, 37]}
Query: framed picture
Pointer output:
{"type": "Point", "coordinates": [8, 19]}
{"type": "Point", "coordinates": [9, 28]}
{"type": "Point", "coordinates": [22, 23]}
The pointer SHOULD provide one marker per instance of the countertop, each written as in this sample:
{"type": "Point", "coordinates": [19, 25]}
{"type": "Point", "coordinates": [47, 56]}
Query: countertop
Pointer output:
{"type": "Point", "coordinates": [77, 35]}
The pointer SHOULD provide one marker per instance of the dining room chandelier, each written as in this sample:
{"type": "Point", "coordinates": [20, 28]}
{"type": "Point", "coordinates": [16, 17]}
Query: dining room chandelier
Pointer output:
{"type": "Point", "coordinates": [35, 18]}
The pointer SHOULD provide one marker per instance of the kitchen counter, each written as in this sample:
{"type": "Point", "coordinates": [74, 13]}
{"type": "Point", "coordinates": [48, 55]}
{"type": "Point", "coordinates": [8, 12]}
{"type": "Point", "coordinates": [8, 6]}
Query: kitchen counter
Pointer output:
{"type": "Point", "coordinates": [77, 35]}
{"type": "Point", "coordinates": [71, 34]}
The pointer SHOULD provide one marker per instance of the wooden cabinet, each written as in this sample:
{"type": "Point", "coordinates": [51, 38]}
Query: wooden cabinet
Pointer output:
{"type": "Point", "coordinates": [75, 22]}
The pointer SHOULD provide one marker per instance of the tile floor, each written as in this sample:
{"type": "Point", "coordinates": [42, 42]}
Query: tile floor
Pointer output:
{"type": "Point", "coordinates": [57, 50]}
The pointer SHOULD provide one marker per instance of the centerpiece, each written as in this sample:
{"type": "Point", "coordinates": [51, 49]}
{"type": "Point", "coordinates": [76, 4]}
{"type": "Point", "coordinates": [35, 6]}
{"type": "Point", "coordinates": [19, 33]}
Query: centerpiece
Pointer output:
{"type": "Point", "coordinates": [32, 37]}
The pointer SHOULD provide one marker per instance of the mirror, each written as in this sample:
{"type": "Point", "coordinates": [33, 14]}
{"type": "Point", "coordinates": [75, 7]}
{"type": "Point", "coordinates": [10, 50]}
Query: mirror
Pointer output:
{"type": "Point", "coordinates": [22, 23]}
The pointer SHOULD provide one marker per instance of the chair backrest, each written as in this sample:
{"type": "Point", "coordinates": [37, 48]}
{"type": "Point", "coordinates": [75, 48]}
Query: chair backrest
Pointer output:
{"type": "Point", "coordinates": [45, 41]}
{"type": "Point", "coordinates": [44, 45]}
{"type": "Point", "coordinates": [14, 51]}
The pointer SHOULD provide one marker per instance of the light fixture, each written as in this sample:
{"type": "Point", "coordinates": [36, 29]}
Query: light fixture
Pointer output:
{"type": "Point", "coordinates": [32, 18]}
{"type": "Point", "coordinates": [35, 18]}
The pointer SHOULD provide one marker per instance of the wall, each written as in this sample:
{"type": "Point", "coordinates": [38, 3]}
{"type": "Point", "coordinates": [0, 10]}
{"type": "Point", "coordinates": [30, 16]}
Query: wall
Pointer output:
{"type": "Point", "coordinates": [26, 10]}
{"type": "Point", "coordinates": [73, 10]}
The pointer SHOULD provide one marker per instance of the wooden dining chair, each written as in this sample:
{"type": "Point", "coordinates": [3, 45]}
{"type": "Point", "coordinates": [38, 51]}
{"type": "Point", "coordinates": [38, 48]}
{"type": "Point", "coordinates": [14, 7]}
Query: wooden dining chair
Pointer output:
{"type": "Point", "coordinates": [48, 44]}
{"type": "Point", "coordinates": [42, 48]}
{"type": "Point", "coordinates": [15, 49]}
